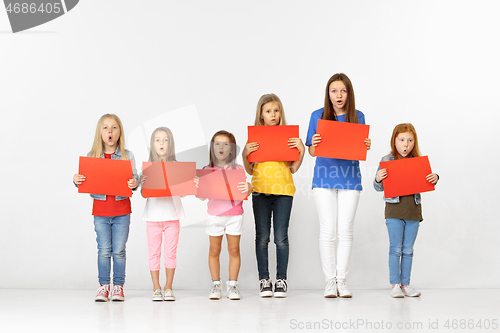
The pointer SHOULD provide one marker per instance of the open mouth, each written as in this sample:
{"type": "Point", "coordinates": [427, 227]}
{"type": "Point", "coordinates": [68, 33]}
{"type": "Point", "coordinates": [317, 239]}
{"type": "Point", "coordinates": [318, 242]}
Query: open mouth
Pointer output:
{"type": "Point", "coordinates": [110, 138]}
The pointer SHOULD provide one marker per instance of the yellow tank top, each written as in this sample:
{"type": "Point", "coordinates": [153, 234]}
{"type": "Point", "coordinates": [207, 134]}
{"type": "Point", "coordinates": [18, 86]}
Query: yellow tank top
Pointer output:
{"type": "Point", "coordinates": [272, 178]}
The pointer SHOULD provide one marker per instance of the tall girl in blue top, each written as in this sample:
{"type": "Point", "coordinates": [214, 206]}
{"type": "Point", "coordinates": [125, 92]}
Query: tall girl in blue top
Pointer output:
{"type": "Point", "coordinates": [111, 213]}
{"type": "Point", "coordinates": [336, 187]}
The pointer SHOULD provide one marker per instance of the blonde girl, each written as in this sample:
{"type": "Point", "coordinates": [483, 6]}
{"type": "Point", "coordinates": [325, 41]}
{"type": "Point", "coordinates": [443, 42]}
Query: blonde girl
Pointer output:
{"type": "Point", "coordinates": [403, 214]}
{"type": "Point", "coordinates": [225, 217]}
{"type": "Point", "coordinates": [272, 196]}
{"type": "Point", "coordinates": [336, 188]}
{"type": "Point", "coordinates": [111, 213]}
{"type": "Point", "coordinates": [162, 220]}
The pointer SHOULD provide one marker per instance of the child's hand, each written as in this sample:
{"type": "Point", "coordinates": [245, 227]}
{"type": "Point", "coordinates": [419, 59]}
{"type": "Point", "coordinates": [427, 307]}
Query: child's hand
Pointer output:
{"type": "Point", "coordinates": [381, 175]}
{"type": "Point", "coordinates": [196, 181]}
{"type": "Point", "coordinates": [296, 143]}
{"type": "Point", "coordinates": [368, 143]}
{"type": "Point", "coordinates": [132, 183]}
{"type": "Point", "coordinates": [78, 179]}
{"type": "Point", "coordinates": [142, 179]}
{"type": "Point", "coordinates": [316, 139]}
{"type": "Point", "coordinates": [432, 178]}
{"type": "Point", "coordinates": [245, 187]}
{"type": "Point", "coordinates": [250, 148]}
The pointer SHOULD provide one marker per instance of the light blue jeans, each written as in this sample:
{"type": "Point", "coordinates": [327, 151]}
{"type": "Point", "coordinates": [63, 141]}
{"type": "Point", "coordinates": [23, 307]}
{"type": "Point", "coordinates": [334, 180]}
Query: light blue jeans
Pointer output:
{"type": "Point", "coordinates": [112, 235]}
{"type": "Point", "coordinates": [402, 235]}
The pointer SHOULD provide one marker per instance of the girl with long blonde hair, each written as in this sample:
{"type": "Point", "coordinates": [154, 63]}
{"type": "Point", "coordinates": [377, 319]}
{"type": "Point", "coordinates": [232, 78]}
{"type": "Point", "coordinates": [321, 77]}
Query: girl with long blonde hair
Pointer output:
{"type": "Point", "coordinates": [272, 196]}
{"type": "Point", "coordinates": [111, 213]}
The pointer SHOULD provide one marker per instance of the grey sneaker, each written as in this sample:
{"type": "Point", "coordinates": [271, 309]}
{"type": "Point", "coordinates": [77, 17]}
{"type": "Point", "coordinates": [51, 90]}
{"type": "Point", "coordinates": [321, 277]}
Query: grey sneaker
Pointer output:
{"type": "Point", "coordinates": [232, 290]}
{"type": "Point", "coordinates": [330, 289]}
{"type": "Point", "coordinates": [216, 292]}
{"type": "Point", "coordinates": [342, 290]}
{"type": "Point", "coordinates": [157, 296]}
{"type": "Point", "coordinates": [280, 288]}
{"type": "Point", "coordinates": [410, 292]}
{"type": "Point", "coordinates": [266, 288]}
{"type": "Point", "coordinates": [396, 292]}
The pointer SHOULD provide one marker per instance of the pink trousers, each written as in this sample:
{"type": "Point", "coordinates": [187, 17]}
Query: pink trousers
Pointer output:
{"type": "Point", "coordinates": [170, 232]}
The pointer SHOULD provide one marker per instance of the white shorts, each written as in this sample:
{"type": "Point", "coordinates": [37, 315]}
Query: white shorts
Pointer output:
{"type": "Point", "coordinates": [218, 225]}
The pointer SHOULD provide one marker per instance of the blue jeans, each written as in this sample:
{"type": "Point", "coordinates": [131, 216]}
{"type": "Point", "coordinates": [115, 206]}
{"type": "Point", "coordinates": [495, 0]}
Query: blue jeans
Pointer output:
{"type": "Point", "coordinates": [279, 207]}
{"type": "Point", "coordinates": [402, 235]}
{"type": "Point", "coordinates": [112, 235]}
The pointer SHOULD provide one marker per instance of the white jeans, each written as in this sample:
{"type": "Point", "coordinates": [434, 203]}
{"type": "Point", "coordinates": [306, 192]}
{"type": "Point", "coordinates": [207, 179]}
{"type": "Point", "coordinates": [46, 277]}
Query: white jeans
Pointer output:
{"type": "Point", "coordinates": [336, 212]}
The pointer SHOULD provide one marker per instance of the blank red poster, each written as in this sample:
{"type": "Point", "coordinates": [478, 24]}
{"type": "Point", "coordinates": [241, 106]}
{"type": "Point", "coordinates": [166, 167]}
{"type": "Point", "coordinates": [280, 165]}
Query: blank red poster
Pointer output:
{"type": "Point", "coordinates": [105, 176]}
{"type": "Point", "coordinates": [342, 140]}
{"type": "Point", "coordinates": [221, 184]}
{"type": "Point", "coordinates": [273, 143]}
{"type": "Point", "coordinates": [407, 176]}
{"type": "Point", "coordinates": [167, 179]}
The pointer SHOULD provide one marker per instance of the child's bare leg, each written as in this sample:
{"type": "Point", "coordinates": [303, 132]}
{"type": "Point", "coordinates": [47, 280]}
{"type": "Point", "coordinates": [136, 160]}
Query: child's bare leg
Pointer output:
{"type": "Point", "coordinates": [155, 277]}
{"type": "Point", "coordinates": [213, 256]}
{"type": "Point", "coordinates": [170, 277]}
{"type": "Point", "coordinates": [233, 247]}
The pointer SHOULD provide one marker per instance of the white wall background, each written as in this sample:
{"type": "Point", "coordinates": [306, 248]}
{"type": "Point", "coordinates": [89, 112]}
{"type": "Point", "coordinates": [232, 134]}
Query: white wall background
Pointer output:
{"type": "Point", "coordinates": [432, 63]}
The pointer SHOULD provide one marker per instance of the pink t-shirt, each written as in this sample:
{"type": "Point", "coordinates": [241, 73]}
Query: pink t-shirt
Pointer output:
{"type": "Point", "coordinates": [218, 207]}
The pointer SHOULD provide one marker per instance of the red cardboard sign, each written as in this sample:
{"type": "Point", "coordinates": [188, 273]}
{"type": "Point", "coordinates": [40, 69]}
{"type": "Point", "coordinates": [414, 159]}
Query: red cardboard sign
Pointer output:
{"type": "Point", "coordinates": [221, 184]}
{"type": "Point", "coordinates": [407, 176]}
{"type": "Point", "coordinates": [273, 143]}
{"type": "Point", "coordinates": [105, 176]}
{"type": "Point", "coordinates": [167, 179]}
{"type": "Point", "coordinates": [342, 140]}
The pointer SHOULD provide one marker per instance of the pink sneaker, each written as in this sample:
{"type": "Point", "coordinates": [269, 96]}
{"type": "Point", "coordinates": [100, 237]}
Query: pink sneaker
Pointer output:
{"type": "Point", "coordinates": [102, 293]}
{"type": "Point", "coordinates": [117, 294]}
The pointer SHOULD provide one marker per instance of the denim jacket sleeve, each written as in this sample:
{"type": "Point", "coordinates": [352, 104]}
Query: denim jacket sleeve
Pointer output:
{"type": "Point", "coordinates": [379, 187]}
{"type": "Point", "coordinates": [134, 169]}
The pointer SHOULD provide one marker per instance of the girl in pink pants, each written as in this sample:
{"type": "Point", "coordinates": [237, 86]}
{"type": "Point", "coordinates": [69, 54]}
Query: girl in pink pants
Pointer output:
{"type": "Point", "coordinates": [162, 219]}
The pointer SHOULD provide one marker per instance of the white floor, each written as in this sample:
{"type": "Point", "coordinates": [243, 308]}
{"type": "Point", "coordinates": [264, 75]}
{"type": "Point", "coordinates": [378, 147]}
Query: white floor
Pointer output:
{"type": "Point", "coordinates": [450, 310]}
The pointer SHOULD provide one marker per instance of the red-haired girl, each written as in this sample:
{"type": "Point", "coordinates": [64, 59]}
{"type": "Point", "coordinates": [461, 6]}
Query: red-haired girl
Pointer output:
{"type": "Point", "coordinates": [403, 214]}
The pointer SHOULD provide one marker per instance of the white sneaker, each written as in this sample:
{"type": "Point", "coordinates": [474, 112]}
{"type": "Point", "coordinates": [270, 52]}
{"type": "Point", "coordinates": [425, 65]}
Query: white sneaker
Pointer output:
{"type": "Point", "coordinates": [169, 295]}
{"type": "Point", "coordinates": [216, 292]}
{"type": "Point", "coordinates": [342, 290]}
{"type": "Point", "coordinates": [330, 289]}
{"type": "Point", "coordinates": [266, 288]}
{"type": "Point", "coordinates": [232, 290]}
{"type": "Point", "coordinates": [396, 292]}
{"type": "Point", "coordinates": [410, 292]}
{"type": "Point", "coordinates": [157, 296]}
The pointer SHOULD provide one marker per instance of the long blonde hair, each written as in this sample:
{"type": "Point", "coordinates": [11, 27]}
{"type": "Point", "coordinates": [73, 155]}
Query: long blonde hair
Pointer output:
{"type": "Point", "coordinates": [97, 146]}
{"type": "Point", "coordinates": [263, 101]}
{"type": "Point", "coordinates": [404, 128]}
{"type": "Point", "coordinates": [153, 155]}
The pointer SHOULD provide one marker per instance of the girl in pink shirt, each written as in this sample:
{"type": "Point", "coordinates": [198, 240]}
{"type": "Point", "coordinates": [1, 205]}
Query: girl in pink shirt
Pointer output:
{"type": "Point", "coordinates": [225, 217]}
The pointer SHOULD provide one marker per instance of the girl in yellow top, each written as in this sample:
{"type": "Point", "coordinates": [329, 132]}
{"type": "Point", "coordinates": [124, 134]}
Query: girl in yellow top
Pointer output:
{"type": "Point", "coordinates": [272, 195]}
